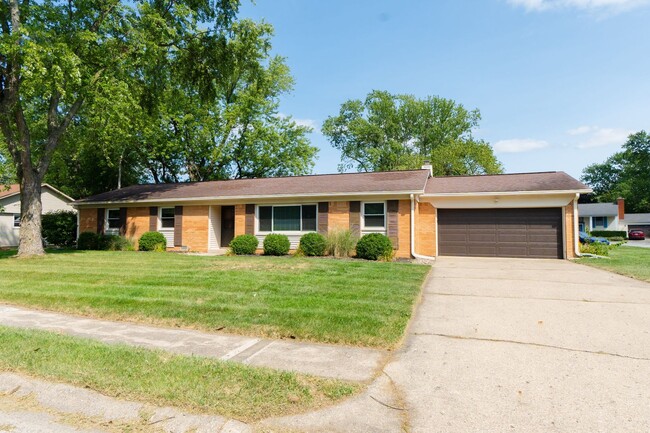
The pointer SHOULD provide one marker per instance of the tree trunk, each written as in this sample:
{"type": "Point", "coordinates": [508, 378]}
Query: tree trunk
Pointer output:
{"type": "Point", "coordinates": [31, 240]}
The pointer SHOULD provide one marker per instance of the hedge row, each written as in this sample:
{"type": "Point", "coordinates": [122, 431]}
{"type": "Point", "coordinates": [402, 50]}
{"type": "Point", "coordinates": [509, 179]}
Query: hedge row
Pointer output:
{"type": "Point", "coordinates": [149, 241]}
{"type": "Point", "coordinates": [609, 233]}
{"type": "Point", "coordinates": [374, 246]}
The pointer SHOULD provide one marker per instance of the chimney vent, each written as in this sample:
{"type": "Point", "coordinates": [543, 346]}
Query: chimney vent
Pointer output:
{"type": "Point", "coordinates": [427, 166]}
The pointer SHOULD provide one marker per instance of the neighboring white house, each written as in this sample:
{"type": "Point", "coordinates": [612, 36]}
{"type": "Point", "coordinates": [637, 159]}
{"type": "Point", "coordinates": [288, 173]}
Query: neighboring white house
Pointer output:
{"type": "Point", "coordinates": [610, 216]}
{"type": "Point", "coordinates": [52, 199]}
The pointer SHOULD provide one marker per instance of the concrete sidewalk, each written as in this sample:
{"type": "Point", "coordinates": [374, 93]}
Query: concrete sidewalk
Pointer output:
{"type": "Point", "coordinates": [339, 362]}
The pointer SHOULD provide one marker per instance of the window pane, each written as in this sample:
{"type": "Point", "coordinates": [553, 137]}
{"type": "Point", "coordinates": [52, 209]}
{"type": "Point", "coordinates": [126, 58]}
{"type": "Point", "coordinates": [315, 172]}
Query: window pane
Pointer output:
{"type": "Point", "coordinates": [17, 220]}
{"type": "Point", "coordinates": [286, 218]}
{"type": "Point", "coordinates": [265, 216]}
{"type": "Point", "coordinates": [374, 208]}
{"type": "Point", "coordinates": [113, 217]}
{"type": "Point", "coordinates": [374, 221]}
{"type": "Point", "coordinates": [167, 212]}
{"type": "Point", "coordinates": [167, 223]}
{"type": "Point", "coordinates": [309, 218]}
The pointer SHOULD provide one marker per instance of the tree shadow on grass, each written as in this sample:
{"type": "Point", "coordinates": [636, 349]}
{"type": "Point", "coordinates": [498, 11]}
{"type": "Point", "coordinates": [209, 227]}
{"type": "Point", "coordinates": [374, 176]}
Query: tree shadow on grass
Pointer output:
{"type": "Point", "coordinates": [11, 253]}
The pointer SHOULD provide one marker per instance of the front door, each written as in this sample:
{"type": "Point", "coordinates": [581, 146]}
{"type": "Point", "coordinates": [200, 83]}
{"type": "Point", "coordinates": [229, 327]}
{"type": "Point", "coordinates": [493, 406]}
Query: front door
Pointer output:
{"type": "Point", "coordinates": [227, 224]}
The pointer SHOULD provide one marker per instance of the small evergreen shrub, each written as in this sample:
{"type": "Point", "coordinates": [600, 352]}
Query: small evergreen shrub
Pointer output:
{"type": "Point", "coordinates": [313, 244]}
{"type": "Point", "coordinates": [609, 233]}
{"type": "Point", "coordinates": [152, 241]}
{"type": "Point", "coordinates": [340, 243]}
{"type": "Point", "coordinates": [276, 244]}
{"type": "Point", "coordinates": [60, 228]}
{"type": "Point", "coordinates": [244, 245]}
{"type": "Point", "coordinates": [374, 246]}
{"type": "Point", "coordinates": [87, 241]}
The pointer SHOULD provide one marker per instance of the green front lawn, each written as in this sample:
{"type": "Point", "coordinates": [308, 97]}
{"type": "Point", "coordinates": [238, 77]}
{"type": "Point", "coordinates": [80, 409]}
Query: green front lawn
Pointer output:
{"type": "Point", "coordinates": [336, 301]}
{"type": "Point", "coordinates": [631, 261]}
{"type": "Point", "coordinates": [192, 383]}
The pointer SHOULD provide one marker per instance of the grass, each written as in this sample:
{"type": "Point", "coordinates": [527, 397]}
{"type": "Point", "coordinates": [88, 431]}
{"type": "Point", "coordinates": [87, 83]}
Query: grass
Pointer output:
{"type": "Point", "coordinates": [351, 302]}
{"type": "Point", "coordinates": [192, 383]}
{"type": "Point", "coordinates": [630, 261]}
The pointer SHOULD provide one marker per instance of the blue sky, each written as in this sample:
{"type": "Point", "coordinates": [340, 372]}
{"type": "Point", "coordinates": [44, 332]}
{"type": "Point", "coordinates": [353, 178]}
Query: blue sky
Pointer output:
{"type": "Point", "coordinates": [559, 83]}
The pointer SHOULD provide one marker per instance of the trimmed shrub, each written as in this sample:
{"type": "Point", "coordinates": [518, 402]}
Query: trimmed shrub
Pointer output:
{"type": "Point", "coordinates": [609, 233]}
{"type": "Point", "coordinates": [340, 243]}
{"type": "Point", "coordinates": [595, 248]}
{"type": "Point", "coordinates": [115, 243]}
{"type": "Point", "coordinates": [276, 244]}
{"type": "Point", "coordinates": [313, 244]}
{"type": "Point", "coordinates": [87, 241]}
{"type": "Point", "coordinates": [152, 241]}
{"type": "Point", "coordinates": [244, 245]}
{"type": "Point", "coordinates": [60, 228]}
{"type": "Point", "coordinates": [374, 246]}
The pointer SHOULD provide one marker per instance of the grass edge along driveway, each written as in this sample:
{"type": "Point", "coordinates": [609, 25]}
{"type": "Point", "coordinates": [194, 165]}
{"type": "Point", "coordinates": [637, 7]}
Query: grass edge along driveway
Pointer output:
{"type": "Point", "coordinates": [629, 261]}
{"type": "Point", "coordinates": [351, 302]}
{"type": "Point", "coordinates": [193, 383]}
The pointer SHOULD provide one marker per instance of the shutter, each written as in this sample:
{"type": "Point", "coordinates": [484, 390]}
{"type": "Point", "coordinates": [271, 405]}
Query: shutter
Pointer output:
{"type": "Point", "coordinates": [122, 221]}
{"type": "Point", "coordinates": [101, 216]}
{"type": "Point", "coordinates": [392, 228]}
{"type": "Point", "coordinates": [355, 218]}
{"type": "Point", "coordinates": [178, 226]}
{"type": "Point", "coordinates": [250, 219]}
{"type": "Point", "coordinates": [323, 213]}
{"type": "Point", "coordinates": [153, 218]}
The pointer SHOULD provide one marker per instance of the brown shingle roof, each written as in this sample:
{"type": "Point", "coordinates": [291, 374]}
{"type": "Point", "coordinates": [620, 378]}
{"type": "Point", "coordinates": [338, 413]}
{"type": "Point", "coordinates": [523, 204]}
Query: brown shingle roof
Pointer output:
{"type": "Point", "coordinates": [328, 184]}
{"type": "Point", "coordinates": [544, 181]}
{"type": "Point", "coordinates": [13, 189]}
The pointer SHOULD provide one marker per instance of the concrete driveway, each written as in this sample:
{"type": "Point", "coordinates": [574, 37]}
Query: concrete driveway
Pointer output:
{"type": "Point", "coordinates": [529, 346]}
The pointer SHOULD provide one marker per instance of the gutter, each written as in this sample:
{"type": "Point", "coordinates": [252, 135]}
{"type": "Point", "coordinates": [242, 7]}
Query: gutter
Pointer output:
{"type": "Point", "coordinates": [413, 253]}
{"type": "Point", "coordinates": [504, 193]}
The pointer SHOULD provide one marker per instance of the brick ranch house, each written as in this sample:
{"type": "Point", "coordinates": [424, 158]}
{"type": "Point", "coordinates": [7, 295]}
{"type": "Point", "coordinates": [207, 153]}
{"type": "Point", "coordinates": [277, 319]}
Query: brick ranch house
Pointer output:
{"type": "Point", "coordinates": [510, 215]}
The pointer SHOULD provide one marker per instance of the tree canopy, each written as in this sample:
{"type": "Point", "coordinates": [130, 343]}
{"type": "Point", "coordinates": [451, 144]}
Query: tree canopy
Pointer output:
{"type": "Point", "coordinates": [99, 91]}
{"type": "Point", "coordinates": [625, 174]}
{"type": "Point", "coordinates": [395, 132]}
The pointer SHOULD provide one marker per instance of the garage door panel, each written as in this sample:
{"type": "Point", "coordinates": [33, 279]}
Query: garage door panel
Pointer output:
{"type": "Point", "coordinates": [501, 232]}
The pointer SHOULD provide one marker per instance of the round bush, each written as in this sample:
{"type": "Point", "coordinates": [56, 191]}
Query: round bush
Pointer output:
{"type": "Point", "coordinates": [87, 241]}
{"type": "Point", "coordinates": [243, 245]}
{"type": "Point", "coordinates": [114, 243]}
{"type": "Point", "coordinates": [374, 246]}
{"type": "Point", "coordinates": [276, 245]}
{"type": "Point", "coordinates": [60, 228]}
{"type": "Point", "coordinates": [313, 244]}
{"type": "Point", "coordinates": [152, 241]}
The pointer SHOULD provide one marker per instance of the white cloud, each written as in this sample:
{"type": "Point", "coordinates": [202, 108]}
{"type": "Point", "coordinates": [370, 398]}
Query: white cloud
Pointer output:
{"type": "Point", "coordinates": [517, 145]}
{"type": "Point", "coordinates": [310, 123]}
{"type": "Point", "coordinates": [594, 136]}
{"type": "Point", "coordinates": [589, 5]}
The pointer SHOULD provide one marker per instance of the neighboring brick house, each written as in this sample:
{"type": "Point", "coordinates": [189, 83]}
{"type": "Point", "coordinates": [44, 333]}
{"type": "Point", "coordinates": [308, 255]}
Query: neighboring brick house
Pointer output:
{"type": "Point", "coordinates": [513, 215]}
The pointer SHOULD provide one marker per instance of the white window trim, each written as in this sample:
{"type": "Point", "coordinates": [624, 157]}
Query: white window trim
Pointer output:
{"type": "Point", "coordinates": [107, 229]}
{"type": "Point", "coordinates": [14, 221]}
{"type": "Point", "coordinates": [160, 227]}
{"type": "Point", "coordinates": [284, 232]}
{"type": "Point", "coordinates": [363, 217]}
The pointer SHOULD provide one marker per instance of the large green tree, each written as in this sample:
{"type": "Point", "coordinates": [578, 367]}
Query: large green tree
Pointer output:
{"type": "Point", "coordinates": [110, 92]}
{"type": "Point", "coordinates": [394, 132]}
{"type": "Point", "coordinates": [625, 174]}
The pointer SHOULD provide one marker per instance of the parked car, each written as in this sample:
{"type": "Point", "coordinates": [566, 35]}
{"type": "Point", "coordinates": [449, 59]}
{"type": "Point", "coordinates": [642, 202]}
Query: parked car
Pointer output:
{"type": "Point", "coordinates": [586, 238]}
{"type": "Point", "coordinates": [636, 235]}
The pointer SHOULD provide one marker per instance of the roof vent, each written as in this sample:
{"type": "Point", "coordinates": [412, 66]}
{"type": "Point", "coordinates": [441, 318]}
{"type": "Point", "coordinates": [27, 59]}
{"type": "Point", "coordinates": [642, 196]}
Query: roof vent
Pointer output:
{"type": "Point", "coordinates": [427, 166]}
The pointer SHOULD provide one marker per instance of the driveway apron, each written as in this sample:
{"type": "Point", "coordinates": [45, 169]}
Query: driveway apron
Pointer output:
{"type": "Point", "coordinates": [527, 345]}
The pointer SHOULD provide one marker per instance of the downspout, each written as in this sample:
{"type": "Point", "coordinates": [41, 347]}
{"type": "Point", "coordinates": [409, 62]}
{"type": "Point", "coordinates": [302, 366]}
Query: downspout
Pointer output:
{"type": "Point", "coordinates": [413, 253]}
{"type": "Point", "coordinates": [576, 242]}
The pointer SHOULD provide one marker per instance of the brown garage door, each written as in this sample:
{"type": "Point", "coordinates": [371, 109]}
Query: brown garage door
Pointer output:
{"type": "Point", "coordinates": [500, 232]}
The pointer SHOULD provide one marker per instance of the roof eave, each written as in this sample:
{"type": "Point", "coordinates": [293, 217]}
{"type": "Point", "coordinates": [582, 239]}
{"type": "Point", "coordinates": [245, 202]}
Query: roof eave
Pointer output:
{"type": "Point", "coordinates": [490, 193]}
{"type": "Point", "coordinates": [245, 197]}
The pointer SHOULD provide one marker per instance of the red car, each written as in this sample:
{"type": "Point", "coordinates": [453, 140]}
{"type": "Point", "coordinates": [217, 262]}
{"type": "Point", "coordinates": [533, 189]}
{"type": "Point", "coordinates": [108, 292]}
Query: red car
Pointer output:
{"type": "Point", "coordinates": [636, 235]}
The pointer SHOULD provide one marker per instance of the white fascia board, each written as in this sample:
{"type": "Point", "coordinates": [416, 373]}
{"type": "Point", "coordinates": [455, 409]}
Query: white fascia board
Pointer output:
{"type": "Point", "coordinates": [253, 198]}
{"type": "Point", "coordinates": [506, 193]}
